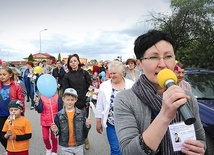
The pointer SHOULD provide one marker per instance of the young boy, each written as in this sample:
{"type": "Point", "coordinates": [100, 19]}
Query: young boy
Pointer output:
{"type": "Point", "coordinates": [71, 125]}
{"type": "Point", "coordinates": [17, 130]}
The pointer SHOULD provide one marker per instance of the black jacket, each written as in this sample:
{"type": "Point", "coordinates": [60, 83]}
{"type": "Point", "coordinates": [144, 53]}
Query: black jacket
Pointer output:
{"type": "Point", "coordinates": [80, 81]}
{"type": "Point", "coordinates": [59, 74]}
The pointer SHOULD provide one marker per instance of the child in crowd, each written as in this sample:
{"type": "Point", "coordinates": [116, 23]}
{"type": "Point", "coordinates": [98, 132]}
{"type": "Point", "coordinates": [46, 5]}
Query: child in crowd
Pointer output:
{"type": "Point", "coordinates": [71, 125]}
{"type": "Point", "coordinates": [93, 90]}
{"type": "Point", "coordinates": [90, 74]}
{"type": "Point", "coordinates": [96, 82]}
{"type": "Point", "coordinates": [9, 90]}
{"type": "Point", "coordinates": [19, 81]}
{"type": "Point", "coordinates": [48, 109]}
{"type": "Point", "coordinates": [17, 130]}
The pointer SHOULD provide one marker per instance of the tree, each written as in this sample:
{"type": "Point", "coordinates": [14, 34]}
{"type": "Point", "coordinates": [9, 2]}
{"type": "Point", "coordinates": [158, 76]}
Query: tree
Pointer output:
{"type": "Point", "coordinates": [30, 58]}
{"type": "Point", "coordinates": [59, 57]}
{"type": "Point", "coordinates": [192, 26]}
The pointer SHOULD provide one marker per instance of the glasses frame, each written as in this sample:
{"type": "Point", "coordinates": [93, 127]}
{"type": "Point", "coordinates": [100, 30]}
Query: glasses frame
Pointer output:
{"type": "Point", "coordinates": [167, 57]}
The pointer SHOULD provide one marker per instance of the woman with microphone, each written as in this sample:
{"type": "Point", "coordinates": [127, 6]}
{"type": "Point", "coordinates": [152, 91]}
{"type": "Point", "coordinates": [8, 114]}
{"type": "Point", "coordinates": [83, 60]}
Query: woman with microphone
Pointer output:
{"type": "Point", "coordinates": [146, 113]}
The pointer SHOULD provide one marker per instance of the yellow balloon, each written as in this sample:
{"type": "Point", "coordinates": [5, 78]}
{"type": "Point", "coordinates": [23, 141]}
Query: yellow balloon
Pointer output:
{"type": "Point", "coordinates": [91, 68]}
{"type": "Point", "coordinates": [37, 70]}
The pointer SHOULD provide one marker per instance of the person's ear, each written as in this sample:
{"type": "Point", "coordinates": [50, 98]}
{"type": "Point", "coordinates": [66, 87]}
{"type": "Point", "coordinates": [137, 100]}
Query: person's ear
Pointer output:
{"type": "Point", "coordinates": [139, 64]}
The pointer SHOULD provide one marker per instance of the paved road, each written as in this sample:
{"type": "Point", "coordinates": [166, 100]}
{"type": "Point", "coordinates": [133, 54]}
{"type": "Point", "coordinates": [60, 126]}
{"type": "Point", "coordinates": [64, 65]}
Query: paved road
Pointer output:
{"type": "Point", "coordinates": [99, 143]}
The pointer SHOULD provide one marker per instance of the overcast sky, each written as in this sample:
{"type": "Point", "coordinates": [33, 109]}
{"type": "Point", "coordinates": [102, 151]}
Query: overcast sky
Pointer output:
{"type": "Point", "coordinates": [94, 29]}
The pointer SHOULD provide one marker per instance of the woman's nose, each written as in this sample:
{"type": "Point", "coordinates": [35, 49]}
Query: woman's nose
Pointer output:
{"type": "Point", "coordinates": [161, 63]}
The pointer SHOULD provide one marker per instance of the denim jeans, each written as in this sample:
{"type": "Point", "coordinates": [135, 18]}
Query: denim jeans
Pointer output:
{"type": "Point", "coordinates": [112, 139]}
{"type": "Point", "coordinates": [32, 93]}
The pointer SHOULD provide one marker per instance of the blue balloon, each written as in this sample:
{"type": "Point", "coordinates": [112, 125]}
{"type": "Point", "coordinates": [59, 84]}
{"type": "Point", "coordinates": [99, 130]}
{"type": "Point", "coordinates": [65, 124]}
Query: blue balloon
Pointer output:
{"type": "Point", "coordinates": [47, 85]}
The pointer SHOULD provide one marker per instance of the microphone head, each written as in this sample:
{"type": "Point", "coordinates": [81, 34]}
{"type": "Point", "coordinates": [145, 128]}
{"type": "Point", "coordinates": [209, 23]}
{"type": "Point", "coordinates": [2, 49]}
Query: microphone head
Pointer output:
{"type": "Point", "coordinates": [164, 75]}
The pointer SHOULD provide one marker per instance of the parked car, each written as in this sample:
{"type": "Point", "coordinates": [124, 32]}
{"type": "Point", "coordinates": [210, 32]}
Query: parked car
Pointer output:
{"type": "Point", "coordinates": [202, 83]}
{"type": "Point", "coordinates": [23, 68]}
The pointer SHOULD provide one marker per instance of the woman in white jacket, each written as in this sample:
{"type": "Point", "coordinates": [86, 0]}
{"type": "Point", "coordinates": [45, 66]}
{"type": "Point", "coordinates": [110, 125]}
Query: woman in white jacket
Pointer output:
{"type": "Point", "coordinates": [105, 103]}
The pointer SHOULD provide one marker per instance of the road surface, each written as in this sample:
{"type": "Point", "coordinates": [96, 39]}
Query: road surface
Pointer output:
{"type": "Point", "coordinates": [98, 142]}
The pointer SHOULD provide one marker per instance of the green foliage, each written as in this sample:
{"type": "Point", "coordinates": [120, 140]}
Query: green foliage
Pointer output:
{"type": "Point", "coordinates": [59, 57]}
{"type": "Point", "coordinates": [192, 26]}
{"type": "Point", "coordinates": [94, 60]}
{"type": "Point", "coordinates": [30, 58]}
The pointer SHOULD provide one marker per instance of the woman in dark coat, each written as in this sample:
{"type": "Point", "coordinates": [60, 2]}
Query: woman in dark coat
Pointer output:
{"type": "Point", "coordinates": [80, 80]}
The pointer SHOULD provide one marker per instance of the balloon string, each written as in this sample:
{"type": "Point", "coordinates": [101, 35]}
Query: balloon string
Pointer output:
{"type": "Point", "coordinates": [52, 115]}
{"type": "Point", "coordinates": [51, 110]}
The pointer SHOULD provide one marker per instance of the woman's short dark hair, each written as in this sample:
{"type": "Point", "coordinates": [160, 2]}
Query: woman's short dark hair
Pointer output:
{"type": "Point", "coordinates": [69, 58]}
{"type": "Point", "coordinates": [147, 40]}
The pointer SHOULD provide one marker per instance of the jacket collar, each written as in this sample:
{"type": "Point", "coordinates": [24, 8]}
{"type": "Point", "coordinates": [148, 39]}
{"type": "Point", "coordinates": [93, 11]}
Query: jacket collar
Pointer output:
{"type": "Point", "coordinates": [11, 83]}
{"type": "Point", "coordinates": [76, 70]}
{"type": "Point", "coordinates": [77, 112]}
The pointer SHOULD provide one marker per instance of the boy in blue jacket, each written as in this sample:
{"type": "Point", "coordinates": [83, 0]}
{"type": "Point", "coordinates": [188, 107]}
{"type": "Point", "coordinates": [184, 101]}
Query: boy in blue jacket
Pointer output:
{"type": "Point", "coordinates": [71, 125]}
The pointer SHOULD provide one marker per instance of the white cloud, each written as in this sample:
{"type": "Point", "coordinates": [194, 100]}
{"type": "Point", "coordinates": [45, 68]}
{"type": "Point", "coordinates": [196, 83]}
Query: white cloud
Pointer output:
{"type": "Point", "coordinates": [95, 29]}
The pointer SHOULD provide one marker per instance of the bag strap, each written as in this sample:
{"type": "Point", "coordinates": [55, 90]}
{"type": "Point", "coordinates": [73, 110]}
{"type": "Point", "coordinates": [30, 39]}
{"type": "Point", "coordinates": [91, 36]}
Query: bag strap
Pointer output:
{"type": "Point", "coordinates": [3, 101]}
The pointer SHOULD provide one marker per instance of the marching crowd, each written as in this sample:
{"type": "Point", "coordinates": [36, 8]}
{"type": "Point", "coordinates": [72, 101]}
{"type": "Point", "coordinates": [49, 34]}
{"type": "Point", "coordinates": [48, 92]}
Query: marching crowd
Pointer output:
{"type": "Point", "coordinates": [130, 105]}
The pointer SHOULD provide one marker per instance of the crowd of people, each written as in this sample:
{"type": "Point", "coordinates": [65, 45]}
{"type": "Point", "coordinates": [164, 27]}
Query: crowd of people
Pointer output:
{"type": "Point", "coordinates": [130, 105]}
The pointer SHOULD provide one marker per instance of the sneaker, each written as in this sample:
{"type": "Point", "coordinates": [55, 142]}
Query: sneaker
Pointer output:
{"type": "Point", "coordinates": [87, 145]}
{"type": "Point", "coordinates": [32, 107]}
{"type": "Point", "coordinates": [53, 153]}
{"type": "Point", "coordinates": [48, 152]}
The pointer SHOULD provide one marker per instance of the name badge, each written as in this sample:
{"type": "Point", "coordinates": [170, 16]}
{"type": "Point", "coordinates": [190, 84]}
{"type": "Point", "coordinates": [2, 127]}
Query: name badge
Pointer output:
{"type": "Point", "coordinates": [179, 132]}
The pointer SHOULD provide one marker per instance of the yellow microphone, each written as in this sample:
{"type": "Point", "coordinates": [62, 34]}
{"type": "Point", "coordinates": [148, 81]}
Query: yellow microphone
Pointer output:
{"type": "Point", "coordinates": [167, 78]}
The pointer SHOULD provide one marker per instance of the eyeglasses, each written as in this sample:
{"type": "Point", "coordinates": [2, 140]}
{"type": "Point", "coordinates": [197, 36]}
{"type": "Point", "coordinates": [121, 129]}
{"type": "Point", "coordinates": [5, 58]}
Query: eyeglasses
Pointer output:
{"type": "Point", "coordinates": [157, 58]}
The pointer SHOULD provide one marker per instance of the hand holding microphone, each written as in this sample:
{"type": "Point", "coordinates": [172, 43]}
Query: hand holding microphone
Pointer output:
{"type": "Point", "coordinates": [167, 78]}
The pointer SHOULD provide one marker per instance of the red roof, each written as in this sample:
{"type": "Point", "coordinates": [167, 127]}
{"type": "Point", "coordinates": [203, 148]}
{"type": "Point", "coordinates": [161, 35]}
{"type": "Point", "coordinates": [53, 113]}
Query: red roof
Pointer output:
{"type": "Point", "coordinates": [42, 56]}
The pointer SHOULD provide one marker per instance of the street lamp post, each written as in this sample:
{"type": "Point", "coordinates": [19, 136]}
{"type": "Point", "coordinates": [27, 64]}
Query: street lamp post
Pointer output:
{"type": "Point", "coordinates": [40, 37]}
